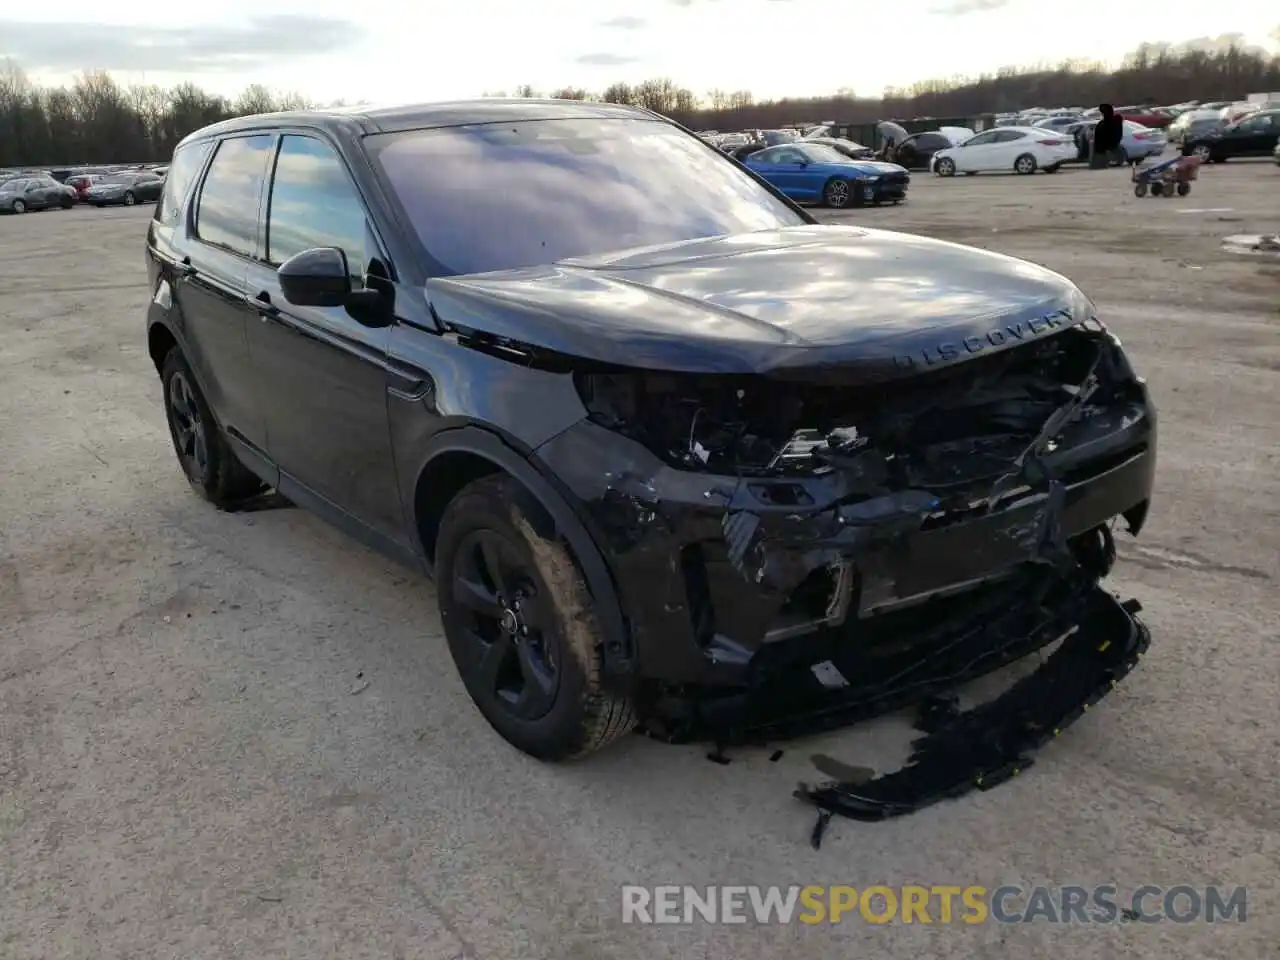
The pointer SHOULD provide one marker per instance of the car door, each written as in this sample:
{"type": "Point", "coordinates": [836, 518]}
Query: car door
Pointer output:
{"type": "Point", "coordinates": [208, 284]}
{"type": "Point", "coordinates": [906, 153]}
{"type": "Point", "coordinates": [1008, 146]}
{"type": "Point", "coordinates": [766, 163]}
{"type": "Point", "coordinates": [973, 155]}
{"type": "Point", "coordinates": [1262, 134]}
{"type": "Point", "coordinates": [792, 172]}
{"type": "Point", "coordinates": [324, 373]}
{"type": "Point", "coordinates": [36, 195]}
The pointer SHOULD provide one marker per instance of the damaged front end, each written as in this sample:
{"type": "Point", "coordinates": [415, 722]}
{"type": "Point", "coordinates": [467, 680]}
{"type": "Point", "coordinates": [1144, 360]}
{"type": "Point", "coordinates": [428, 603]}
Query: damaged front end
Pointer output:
{"type": "Point", "coordinates": [796, 554]}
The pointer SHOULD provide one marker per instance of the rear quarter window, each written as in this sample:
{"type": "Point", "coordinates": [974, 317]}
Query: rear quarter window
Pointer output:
{"type": "Point", "coordinates": [186, 165]}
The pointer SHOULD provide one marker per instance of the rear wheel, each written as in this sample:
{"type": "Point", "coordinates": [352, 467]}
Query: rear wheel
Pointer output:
{"type": "Point", "coordinates": [203, 452]}
{"type": "Point", "coordinates": [1140, 190]}
{"type": "Point", "coordinates": [837, 194]}
{"type": "Point", "coordinates": [1183, 189]}
{"type": "Point", "coordinates": [1025, 164]}
{"type": "Point", "coordinates": [945, 167]}
{"type": "Point", "coordinates": [18, 207]}
{"type": "Point", "coordinates": [521, 625]}
{"type": "Point", "coordinates": [1203, 152]}
{"type": "Point", "coordinates": [129, 198]}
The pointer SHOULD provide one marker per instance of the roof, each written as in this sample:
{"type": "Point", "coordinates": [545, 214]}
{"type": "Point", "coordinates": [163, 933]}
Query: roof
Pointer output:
{"type": "Point", "coordinates": [386, 119]}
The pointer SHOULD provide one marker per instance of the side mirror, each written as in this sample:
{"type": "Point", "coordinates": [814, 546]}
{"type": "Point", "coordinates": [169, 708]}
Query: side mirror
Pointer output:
{"type": "Point", "coordinates": [316, 278]}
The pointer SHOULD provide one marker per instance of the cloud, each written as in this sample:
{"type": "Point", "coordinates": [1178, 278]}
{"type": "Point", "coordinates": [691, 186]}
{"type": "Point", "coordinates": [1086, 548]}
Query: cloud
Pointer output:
{"type": "Point", "coordinates": [959, 8]}
{"type": "Point", "coordinates": [69, 47]}
{"type": "Point", "coordinates": [604, 60]}
{"type": "Point", "coordinates": [625, 23]}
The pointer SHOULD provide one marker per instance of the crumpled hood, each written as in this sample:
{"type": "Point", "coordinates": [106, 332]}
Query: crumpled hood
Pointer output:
{"type": "Point", "coordinates": [794, 302]}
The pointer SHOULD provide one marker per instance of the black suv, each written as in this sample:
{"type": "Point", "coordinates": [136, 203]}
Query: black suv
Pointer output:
{"type": "Point", "coordinates": [673, 452]}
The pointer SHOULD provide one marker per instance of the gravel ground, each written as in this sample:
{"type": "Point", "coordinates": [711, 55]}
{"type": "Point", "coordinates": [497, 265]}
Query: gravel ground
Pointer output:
{"type": "Point", "coordinates": [192, 765]}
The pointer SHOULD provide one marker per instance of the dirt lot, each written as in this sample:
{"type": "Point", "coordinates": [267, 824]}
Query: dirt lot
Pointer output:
{"type": "Point", "coordinates": [191, 764]}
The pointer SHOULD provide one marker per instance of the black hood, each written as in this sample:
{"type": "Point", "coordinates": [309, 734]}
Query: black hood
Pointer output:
{"type": "Point", "coordinates": [794, 302]}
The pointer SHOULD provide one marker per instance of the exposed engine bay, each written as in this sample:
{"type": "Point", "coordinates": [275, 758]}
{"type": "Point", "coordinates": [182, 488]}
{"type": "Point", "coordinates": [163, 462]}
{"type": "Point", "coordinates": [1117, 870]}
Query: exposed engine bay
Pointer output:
{"type": "Point", "coordinates": [903, 434]}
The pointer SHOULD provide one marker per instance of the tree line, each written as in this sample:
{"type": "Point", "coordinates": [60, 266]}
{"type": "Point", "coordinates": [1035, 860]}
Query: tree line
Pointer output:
{"type": "Point", "coordinates": [96, 120]}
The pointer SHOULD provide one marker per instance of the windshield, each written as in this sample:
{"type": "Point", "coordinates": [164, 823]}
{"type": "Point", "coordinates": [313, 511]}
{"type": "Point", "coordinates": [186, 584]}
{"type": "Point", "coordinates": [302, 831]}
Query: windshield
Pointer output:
{"type": "Point", "coordinates": [501, 196]}
{"type": "Point", "coordinates": [821, 153]}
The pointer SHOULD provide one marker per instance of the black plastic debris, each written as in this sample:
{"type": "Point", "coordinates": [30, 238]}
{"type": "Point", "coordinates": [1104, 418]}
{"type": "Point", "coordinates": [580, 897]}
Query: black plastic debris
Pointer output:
{"type": "Point", "coordinates": [985, 746]}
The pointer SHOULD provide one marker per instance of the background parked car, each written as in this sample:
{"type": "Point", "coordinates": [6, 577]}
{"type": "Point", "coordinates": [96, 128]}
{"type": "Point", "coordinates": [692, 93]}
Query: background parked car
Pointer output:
{"type": "Point", "coordinates": [1137, 143]}
{"type": "Point", "coordinates": [816, 173]}
{"type": "Point", "coordinates": [1058, 123]}
{"type": "Point", "coordinates": [34, 193]}
{"type": "Point", "coordinates": [1192, 124]}
{"type": "Point", "coordinates": [1254, 136]}
{"type": "Point", "coordinates": [1275, 153]}
{"type": "Point", "coordinates": [125, 188]}
{"type": "Point", "coordinates": [1153, 118]}
{"type": "Point", "coordinates": [852, 150]}
{"type": "Point", "coordinates": [1007, 149]}
{"type": "Point", "coordinates": [916, 151]}
{"type": "Point", "coordinates": [81, 182]}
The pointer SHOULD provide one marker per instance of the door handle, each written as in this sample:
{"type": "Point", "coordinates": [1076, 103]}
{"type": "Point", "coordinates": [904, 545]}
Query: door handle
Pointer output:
{"type": "Point", "coordinates": [266, 309]}
{"type": "Point", "coordinates": [185, 269]}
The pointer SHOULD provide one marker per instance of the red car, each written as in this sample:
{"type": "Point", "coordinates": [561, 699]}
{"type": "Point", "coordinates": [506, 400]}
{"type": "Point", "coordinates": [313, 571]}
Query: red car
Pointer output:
{"type": "Point", "coordinates": [81, 184]}
{"type": "Point", "coordinates": [1154, 117]}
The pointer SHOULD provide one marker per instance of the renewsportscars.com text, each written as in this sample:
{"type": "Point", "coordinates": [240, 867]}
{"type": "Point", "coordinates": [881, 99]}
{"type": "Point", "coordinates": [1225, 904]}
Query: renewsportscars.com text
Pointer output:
{"type": "Point", "coordinates": [938, 904]}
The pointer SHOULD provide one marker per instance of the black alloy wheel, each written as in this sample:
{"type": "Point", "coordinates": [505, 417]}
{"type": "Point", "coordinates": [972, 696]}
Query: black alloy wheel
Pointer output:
{"type": "Point", "coordinates": [514, 647]}
{"type": "Point", "coordinates": [190, 431]}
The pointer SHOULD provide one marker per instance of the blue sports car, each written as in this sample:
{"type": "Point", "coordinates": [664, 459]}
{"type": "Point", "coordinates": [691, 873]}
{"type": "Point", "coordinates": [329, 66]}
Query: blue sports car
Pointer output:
{"type": "Point", "coordinates": [816, 173]}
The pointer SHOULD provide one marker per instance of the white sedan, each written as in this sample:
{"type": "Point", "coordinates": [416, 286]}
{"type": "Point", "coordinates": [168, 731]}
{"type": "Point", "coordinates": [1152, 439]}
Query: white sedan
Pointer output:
{"type": "Point", "coordinates": [1007, 149]}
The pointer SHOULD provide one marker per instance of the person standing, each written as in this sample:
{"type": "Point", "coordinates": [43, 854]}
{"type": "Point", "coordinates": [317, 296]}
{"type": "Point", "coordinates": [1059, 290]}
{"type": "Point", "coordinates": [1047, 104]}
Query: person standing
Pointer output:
{"type": "Point", "coordinates": [1107, 134]}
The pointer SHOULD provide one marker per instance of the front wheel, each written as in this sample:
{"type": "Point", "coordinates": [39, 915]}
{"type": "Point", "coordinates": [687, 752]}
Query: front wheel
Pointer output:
{"type": "Point", "coordinates": [203, 452]}
{"type": "Point", "coordinates": [1025, 164]}
{"type": "Point", "coordinates": [19, 207]}
{"type": "Point", "coordinates": [1140, 190]}
{"type": "Point", "coordinates": [521, 624]}
{"type": "Point", "coordinates": [129, 198]}
{"type": "Point", "coordinates": [1202, 152]}
{"type": "Point", "coordinates": [837, 194]}
{"type": "Point", "coordinates": [1184, 188]}
{"type": "Point", "coordinates": [946, 167]}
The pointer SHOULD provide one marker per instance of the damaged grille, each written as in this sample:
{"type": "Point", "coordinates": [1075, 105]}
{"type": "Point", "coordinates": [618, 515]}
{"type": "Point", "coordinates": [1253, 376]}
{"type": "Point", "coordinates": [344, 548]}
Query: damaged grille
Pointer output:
{"type": "Point", "coordinates": [945, 431]}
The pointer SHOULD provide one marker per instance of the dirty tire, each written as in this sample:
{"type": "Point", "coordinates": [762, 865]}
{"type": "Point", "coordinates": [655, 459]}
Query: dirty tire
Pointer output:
{"type": "Point", "coordinates": [1025, 164]}
{"type": "Point", "coordinates": [495, 514]}
{"type": "Point", "coordinates": [218, 475]}
{"type": "Point", "coordinates": [838, 194]}
{"type": "Point", "coordinates": [946, 167]}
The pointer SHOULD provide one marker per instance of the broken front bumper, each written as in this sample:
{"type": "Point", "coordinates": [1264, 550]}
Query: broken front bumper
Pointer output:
{"type": "Point", "coordinates": [722, 577]}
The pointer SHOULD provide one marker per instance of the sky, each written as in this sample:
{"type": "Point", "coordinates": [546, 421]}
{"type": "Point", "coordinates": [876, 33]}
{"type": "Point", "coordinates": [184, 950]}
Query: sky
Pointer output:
{"type": "Point", "coordinates": [407, 50]}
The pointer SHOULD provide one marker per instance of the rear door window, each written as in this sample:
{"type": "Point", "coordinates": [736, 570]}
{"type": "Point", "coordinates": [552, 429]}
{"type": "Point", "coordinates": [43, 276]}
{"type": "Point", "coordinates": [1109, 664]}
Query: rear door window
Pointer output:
{"type": "Point", "coordinates": [227, 210]}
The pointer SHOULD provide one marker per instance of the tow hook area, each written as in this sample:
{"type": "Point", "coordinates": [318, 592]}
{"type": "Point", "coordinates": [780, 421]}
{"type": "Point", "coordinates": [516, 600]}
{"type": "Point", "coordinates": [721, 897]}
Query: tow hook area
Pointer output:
{"type": "Point", "coordinates": [985, 746]}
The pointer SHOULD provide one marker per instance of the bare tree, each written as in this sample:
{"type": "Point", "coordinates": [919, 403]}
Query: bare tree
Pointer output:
{"type": "Point", "coordinates": [95, 121]}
